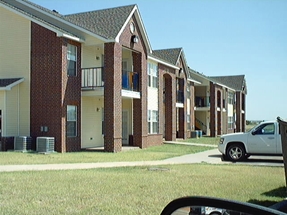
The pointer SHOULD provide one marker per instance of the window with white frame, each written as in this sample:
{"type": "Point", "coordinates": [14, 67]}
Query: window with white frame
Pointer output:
{"type": "Point", "coordinates": [230, 122]}
{"type": "Point", "coordinates": [152, 121]}
{"type": "Point", "coordinates": [188, 112]}
{"type": "Point", "coordinates": [230, 98]}
{"type": "Point", "coordinates": [71, 120]}
{"type": "Point", "coordinates": [72, 60]}
{"type": "Point", "coordinates": [152, 75]}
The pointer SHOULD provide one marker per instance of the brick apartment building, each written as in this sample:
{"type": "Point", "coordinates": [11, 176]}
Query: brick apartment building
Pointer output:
{"type": "Point", "coordinates": [92, 80]}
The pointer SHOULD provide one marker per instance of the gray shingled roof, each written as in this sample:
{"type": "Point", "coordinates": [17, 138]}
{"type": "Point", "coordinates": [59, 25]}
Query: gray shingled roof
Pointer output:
{"type": "Point", "coordinates": [16, 6]}
{"type": "Point", "coordinates": [4, 82]}
{"type": "Point", "coordinates": [236, 82]}
{"type": "Point", "coordinates": [106, 23]}
{"type": "Point", "coordinates": [168, 55]}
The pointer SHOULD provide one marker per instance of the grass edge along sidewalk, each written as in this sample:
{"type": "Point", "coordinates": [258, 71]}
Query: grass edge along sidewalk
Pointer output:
{"type": "Point", "coordinates": [155, 153]}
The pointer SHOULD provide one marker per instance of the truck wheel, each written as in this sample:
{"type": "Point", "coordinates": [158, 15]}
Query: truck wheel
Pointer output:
{"type": "Point", "coordinates": [235, 152]}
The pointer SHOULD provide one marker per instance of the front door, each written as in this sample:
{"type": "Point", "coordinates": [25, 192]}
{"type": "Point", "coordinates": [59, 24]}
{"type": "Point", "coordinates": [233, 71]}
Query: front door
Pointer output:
{"type": "Point", "coordinates": [125, 127]}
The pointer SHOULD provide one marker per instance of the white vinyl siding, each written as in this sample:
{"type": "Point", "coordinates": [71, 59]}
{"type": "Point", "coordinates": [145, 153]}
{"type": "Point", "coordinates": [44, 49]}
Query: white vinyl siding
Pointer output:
{"type": "Point", "coordinates": [15, 34]}
{"type": "Point", "coordinates": [91, 123]}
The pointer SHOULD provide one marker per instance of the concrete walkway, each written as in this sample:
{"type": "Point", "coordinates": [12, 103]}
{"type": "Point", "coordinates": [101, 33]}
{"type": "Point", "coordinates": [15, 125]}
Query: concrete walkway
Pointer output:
{"type": "Point", "coordinates": [212, 156]}
{"type": "Point", "coordinates": [200, 157]}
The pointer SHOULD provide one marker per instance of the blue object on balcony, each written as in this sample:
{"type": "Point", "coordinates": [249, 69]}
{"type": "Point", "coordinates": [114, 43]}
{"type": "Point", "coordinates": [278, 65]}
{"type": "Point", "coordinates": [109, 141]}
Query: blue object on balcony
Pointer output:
{"type": "Point", "coordinates": [136, 82]}
{"type": "Point", "coordinates": [125, 80]}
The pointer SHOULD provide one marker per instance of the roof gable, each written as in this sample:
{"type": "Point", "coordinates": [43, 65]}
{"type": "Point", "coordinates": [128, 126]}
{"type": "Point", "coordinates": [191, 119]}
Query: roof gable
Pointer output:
{"type": "Point", "coordinates": [169, 55]}
{"type": "Point", "coordinates": [236, 82]}
{"type": "Point", "coordinates": [106, 23]}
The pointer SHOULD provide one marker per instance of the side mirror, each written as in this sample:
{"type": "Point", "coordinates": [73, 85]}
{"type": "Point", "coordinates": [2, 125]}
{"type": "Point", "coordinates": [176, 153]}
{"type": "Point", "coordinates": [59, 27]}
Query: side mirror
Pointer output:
{"type": "Point", "coordinates": [253, 132]}
{"type": "Point", "coordinates": [208, 205]}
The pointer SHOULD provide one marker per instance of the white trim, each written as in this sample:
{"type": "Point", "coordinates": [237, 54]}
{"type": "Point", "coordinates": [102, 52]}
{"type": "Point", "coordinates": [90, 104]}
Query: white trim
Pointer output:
{"type": "Point", "coordinates": [9, 87]}
{"type": "Point", "coordinates": [60, 34]}
{"type": "Point", "coordinates": [162, 62]}
{"type": "Point", "coordinates": [179, 105]}
{"type": "Point", "coordinates": [117, 39]}
{"type": "Point", "coordinates": [141, 26]}
{"type": "Point", "coordinates": [131, 94]}
{"type": "Point", "coordinates": [194, 81]}
{"type": "Point", "coordinates": [222, 85]}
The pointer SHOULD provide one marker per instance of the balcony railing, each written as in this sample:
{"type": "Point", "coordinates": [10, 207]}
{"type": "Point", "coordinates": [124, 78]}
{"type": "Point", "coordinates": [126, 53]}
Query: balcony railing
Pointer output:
{"type": "Point", "coordinates": [180, 97]}
{"type": "Point", "coordinates": [202, 101]}
{"type": "Point", "coordinates": [130, 81]}
{"type": "Point", "coordinates": [92, 77]}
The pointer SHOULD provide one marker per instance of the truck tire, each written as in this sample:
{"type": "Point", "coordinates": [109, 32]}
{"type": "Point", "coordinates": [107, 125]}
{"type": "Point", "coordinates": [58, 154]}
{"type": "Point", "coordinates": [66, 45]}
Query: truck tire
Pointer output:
{"type": "Point", "coordinates": [235, 152]}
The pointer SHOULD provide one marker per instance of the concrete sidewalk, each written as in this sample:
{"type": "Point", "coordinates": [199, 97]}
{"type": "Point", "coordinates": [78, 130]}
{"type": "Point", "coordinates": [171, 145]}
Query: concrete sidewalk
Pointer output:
{"type": "Point", "coordinates": [210, 156]}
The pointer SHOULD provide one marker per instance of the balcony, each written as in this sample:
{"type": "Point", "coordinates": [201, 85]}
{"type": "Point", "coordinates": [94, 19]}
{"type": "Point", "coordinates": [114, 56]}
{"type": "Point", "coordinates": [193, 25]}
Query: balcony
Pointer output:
{"type": "Point", "coordinates": [130, 81]}
{"type": "Point", "coordinates": [93, 78]}
{"type": "Point", "coordinates": [202, 101]}
{"type": "Point", "coordinates": [180, 97]}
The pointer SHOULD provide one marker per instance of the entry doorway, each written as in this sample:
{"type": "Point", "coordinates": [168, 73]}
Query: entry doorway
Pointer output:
{"type": "Point", "coordinates": [125, 127]}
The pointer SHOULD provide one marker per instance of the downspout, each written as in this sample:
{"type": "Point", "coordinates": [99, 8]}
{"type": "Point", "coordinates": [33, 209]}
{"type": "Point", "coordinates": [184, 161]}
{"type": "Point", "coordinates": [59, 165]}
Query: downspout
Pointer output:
{"type": "Point", "coordinates": [4, 118]}
{"type": "Point", "coordinates": [18, 91]}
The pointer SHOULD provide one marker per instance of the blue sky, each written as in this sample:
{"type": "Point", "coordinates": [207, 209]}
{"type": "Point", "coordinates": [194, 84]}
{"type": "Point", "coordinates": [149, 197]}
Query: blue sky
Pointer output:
{"type": "Point", "coordinates": [219, 37]}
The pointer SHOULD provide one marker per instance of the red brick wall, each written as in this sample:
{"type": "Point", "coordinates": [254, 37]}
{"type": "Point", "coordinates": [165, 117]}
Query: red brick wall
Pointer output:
{"type": "Point", "coordinates": [140, 125]}
{"type": "Point", "coordinates": [168, 101]}
{"type": "Point", "coordinates": [126, 38]}
{"type": "Point", "coordinates": [113, 98]}
{"type": "Point", "coordinates": [113, 86]}
{"type": "Point", "coordinates": [154, 140]}
{"type": "Point", "coordinates": [52, 90]}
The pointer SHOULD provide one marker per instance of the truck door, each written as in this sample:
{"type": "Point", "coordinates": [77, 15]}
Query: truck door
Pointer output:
{"type": "Point", "coordinates": [262, 140]}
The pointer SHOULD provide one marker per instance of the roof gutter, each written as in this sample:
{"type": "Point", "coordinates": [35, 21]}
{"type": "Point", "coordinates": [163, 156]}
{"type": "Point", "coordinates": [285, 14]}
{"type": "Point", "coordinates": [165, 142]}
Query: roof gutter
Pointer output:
{"type": "Point", "coordinates": [222, 85]}
{"type": "Point", "coordinates": [61, 34]}
{"type": "Point", "coordinates": [10, 86]}
{"type": "Point", "coordinates": [194, 81]}
{"type": "Point", "coordinates": [61, 20]}
{"type": "Point", "coordinates": [162, 62]}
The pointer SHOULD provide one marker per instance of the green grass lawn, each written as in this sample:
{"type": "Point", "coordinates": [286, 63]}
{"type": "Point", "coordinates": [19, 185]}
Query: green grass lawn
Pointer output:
{"type": "Point", "coordinates": [152, 153]}
{"type": "Point", "coordinates": [134, 190]}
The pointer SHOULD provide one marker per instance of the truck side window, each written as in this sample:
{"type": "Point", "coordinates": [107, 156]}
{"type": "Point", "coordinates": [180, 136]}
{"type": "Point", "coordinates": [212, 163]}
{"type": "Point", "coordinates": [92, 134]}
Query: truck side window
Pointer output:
{"type": "Point", "coordinates": [266, 129]}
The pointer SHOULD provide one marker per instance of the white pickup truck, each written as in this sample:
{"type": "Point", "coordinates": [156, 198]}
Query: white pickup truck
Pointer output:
{"type": "Point", "coordinates": [263, 139]}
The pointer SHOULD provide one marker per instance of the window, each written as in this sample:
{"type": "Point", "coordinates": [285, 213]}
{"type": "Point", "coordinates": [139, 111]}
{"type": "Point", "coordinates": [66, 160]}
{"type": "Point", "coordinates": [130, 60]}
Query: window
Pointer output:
{"type": "Point", "coordinates": [265, 129]}
{"type": "Point", "coordinates": [152, 75]}
{"type": "Point", "coordinates": [152, 121]}
{"type": "Point", "coordinates": [71, 120]}
{"type": "Point", "coordinates": [230, 122]}
{"type": "Point", "coordinates": [72, 60]}
{"type": "Point", "coordinates": [188, 113]}
{"type": "Point", "coordinates": [230, 98]}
